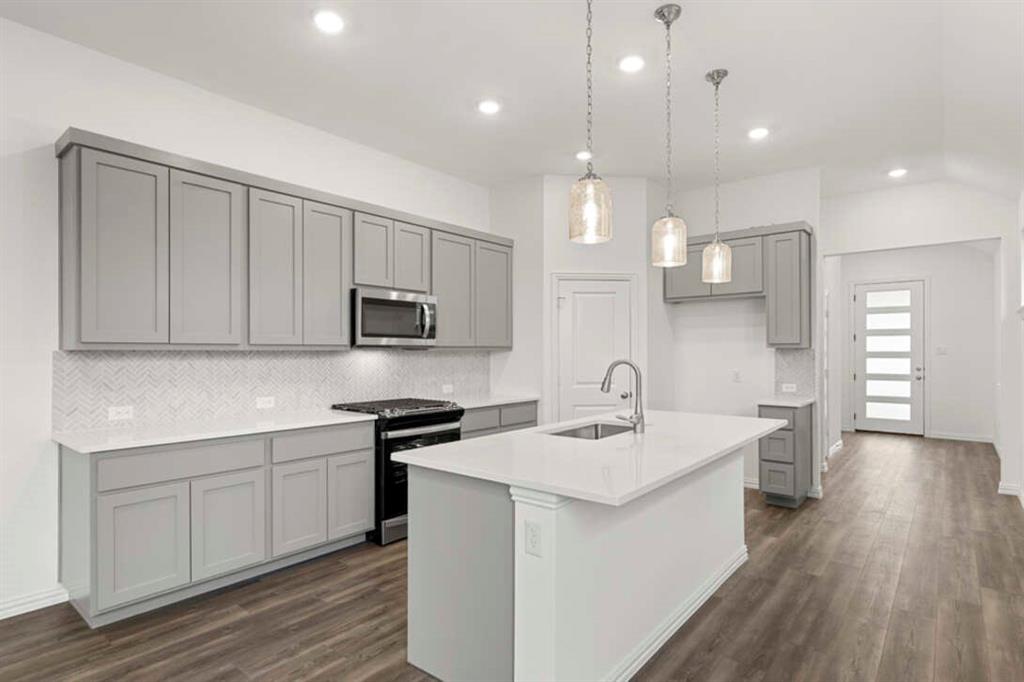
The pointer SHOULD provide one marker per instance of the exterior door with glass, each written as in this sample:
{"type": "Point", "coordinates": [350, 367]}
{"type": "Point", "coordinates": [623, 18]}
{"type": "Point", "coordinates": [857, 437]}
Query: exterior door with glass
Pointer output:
{"type": "Point", "coordinates": [889, 370]}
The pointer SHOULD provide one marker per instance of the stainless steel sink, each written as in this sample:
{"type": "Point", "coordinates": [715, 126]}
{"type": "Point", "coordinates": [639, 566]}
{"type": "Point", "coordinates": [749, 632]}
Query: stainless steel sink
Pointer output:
{"type": "Point", "coordinates": [594, 431]}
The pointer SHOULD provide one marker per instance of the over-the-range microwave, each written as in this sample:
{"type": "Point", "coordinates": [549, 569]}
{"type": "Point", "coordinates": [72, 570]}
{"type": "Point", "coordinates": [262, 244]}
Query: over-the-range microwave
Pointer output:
{"type": "Point", "coordinates": [385, 317]}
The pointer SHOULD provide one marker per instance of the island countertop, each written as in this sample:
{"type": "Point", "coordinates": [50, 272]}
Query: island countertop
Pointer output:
{"type": "Point", "coordinates": [614, 470]}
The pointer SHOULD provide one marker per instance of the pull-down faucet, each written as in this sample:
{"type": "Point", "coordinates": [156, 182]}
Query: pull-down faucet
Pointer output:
{"type": "Point", "coordinates": [637, 418]}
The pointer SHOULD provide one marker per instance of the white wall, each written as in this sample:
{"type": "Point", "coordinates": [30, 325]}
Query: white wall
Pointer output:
{"type": "Point", "coordinates": [47, 85]}
{"type": "Point", "coordinates": [960, 319]}
{"type": "Point", "coordinates": [945, 212]}
{"type": "Point", "coordinates": [832, 286]}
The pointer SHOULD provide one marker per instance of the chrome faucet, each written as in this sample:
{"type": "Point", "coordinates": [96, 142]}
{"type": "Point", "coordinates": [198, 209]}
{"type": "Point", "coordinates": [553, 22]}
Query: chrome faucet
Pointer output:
{"type": "Point", "coordinates": [637, 418]}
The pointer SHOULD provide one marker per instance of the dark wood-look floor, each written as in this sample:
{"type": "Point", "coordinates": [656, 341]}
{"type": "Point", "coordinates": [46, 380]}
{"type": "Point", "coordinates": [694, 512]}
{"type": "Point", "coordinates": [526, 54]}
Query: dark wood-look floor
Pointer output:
{"type": "Point", "coordinates": [911, 568]}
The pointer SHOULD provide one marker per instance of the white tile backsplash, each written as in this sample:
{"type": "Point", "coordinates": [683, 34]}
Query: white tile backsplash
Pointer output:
{"type": "Point", "coordinates": [162, 386]}
{"type": "Point", "coordinates": [794, 366]}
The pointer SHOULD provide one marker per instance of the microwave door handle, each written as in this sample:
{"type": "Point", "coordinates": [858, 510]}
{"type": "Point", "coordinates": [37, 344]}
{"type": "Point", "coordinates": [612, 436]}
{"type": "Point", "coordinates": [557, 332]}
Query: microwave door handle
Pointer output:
{"type": "Point", "coordinates": [427, 322]}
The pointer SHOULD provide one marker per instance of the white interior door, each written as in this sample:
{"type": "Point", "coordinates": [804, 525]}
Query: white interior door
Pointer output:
{"type": "Point", "coordinates": [889, 371]}
{"type": "Point", "coordinates": [594, 319]}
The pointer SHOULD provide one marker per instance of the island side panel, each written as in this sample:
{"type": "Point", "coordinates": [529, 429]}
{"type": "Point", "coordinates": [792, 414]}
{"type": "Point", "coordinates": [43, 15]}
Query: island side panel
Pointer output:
{"type": "Point", "coordinates": [624, 579]}
{"type": "Point", "coordinates": [461, 572]}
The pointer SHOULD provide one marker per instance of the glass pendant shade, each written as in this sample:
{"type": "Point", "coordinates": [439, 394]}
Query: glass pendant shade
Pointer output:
{"type": "Point", "coordinates": [668, 242]}
{"type": "Point", "coordinates": [590, 211]}
{"type": "Point", "coordinates": [717, 265]}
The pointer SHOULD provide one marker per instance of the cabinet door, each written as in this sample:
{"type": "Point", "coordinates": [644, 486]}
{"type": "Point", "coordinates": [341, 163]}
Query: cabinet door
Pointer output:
{"type": "Point", "coordinates": [349, 494]}
{"type": "Point", "coordinates": [452, 284]}
{"type": "Point", "coordinates": [493, 295]}
{"type": "Point", "coordinates": [788, 290]}
{"type": "Point", "coordinates": [275, 268]}
{"type": "Point", "coordinates": [373, 251]}
{"type": "Point", "coordinates": [326, 234]}
{"type": "Point", "coordinates": [124, 250]}
{"type": "Point", "coordinates": [685, 281]}
{"type": "Point", "coordinates": [747, 263]}
{"type": "Point", "coordinates": [207, 245]}
{"type": "Point", "coordinates": [229, 526]}
{"type": "Point", "coordinates": [299, 505]}
{"type": "Point", "coordinates": [412, 257]}
{"type": "Point", "coordinates": [142, 543]}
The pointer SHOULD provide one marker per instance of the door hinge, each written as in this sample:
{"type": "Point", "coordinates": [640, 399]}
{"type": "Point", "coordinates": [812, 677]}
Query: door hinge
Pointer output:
{"type": "Point", "coordinates": [854, 376]}
{"type": "Point", "coordinates": [854, 416]}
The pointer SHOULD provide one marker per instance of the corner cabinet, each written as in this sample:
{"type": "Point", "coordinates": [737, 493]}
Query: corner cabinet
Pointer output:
{"type": "Point", "coordinates": [774, 262]}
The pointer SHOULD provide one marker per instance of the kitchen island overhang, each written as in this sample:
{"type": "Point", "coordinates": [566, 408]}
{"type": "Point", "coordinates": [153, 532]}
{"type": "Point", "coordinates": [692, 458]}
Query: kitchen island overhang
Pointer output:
{"type": "Point", "coordinates": [534, 556]}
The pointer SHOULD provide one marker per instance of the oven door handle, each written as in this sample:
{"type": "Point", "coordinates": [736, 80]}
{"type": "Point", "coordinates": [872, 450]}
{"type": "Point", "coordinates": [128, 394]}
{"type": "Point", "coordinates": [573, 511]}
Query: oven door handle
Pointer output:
{"type": "Point", "coordinates": [421, 430]}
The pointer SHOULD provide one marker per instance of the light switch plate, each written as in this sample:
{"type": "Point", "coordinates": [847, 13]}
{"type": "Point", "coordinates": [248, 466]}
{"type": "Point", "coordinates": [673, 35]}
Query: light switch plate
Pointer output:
{"type": "Point", "coordinates": [789, 388]}
{"type": "Point", "coordinates": [120, 412]}
{"type": "Point", "coordinates": [265, 402]}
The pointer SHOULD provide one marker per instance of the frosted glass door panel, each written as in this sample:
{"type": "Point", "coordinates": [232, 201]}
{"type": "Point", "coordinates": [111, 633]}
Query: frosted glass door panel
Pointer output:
{"type": "Point", "coordinates": [897, 411]}
{"type": "Point", "coordinates": [887, 366]}
{"type": "Point", "coordinates": [898, 298]}
{"type": "Point", "coordinates": [888, 344]}
{"type": "Point", "coordinates": [877, 388]}
{"type": "Point", "coordinates": [888, 321]}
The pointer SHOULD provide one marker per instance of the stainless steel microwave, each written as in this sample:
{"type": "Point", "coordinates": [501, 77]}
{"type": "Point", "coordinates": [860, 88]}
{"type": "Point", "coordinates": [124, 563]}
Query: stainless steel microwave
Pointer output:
{"type": "Point", "coordinates": [384, 317]}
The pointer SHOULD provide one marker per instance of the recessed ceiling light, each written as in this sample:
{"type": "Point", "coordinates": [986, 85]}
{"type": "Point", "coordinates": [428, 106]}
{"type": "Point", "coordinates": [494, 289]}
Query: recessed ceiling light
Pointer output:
{"type": "Point", "coordinates": [897, 172]}
{"type": "Point", "coordinates": [757, 133]}
{"type": "Point", "coordinates": [488, 106]}
{"type": "Point", "coordinates": [584, 155]}
{"type": "Point", "coordinates": [328, 22]}
{"type": "Point", "coordinates": [631, 64]}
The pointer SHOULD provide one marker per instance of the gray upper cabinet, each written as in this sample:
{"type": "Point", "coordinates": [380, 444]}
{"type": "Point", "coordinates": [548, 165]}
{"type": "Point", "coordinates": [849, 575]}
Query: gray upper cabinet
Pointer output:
{"type": "Point", "coordinates": [412, 257]}
{"type": "Point", "coordinates": [207, 243]}
{"type": "Point", "coordinates": [326, 234]}
{"type": "Point", "coordinates": [453, 282]}
{"type": "Point", "coordinates": [788, 264]}
{"type": "Point", "coordinates": [123, 250]}
{"type": "Point", "coordinates": [747, 276]}
{"type": "Point", "coordinates": [275, 268]}
{"type": "Point", "coordinates": [684, 281]}
{"type": "Point", "coordinates": [373, 251]}
{"type": "Point", "coordinates": [493, 295]}
{"type": "Point", "coordinates": [229, 525]}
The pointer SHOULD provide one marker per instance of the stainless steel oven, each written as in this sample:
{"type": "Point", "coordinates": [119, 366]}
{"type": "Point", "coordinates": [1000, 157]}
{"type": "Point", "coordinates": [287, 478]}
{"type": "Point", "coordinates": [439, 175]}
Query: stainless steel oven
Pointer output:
{"type": "Point", "coordinates": [384, 317]}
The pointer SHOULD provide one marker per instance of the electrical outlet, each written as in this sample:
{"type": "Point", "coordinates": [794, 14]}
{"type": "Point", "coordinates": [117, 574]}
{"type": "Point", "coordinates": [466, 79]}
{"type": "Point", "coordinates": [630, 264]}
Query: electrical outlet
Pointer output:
{"type": "Point", "coordinates": [447, 389]}
{"type": "Point", "coordinates": [789, 388]}
{"type": "Point", "coordinates": [265, 402]}
{"type": "Point", "coordinates": [533, 539]}
{"type": "Point", "coordinates": [120, 412]}
{"type": "Point", "coordinates": [737, 377]}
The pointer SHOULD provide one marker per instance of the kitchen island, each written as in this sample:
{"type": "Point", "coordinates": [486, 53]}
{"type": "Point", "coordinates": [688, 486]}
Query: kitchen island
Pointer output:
{"type": "Point", "coordinates": [540, 556]}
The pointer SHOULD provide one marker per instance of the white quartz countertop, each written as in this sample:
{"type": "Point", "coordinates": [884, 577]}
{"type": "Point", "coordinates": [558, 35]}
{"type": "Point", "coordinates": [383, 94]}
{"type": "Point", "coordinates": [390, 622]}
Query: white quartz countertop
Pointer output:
{"type": "Point", "coordinates": [787, 400]}
{"type": "Point", "coordinates": [103, 440]}
{"type": "Point", "coordinates": [613, 470]}
{"type": "Point", "coordinates": [472, 403]}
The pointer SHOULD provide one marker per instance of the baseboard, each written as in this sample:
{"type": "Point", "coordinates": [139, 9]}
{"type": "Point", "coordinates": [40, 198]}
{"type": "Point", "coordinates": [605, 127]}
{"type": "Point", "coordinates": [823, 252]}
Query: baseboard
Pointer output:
{"type": "Point", "coordinates": [972, 437]}
{"type": "Point", "coordinates": [31, 602]}
{"type": "Point", "coordinates": [824, 466]}
{"type": "Point", "coordinates": [815, 492]}
{"type": "Point", "coordinates": [1009, 488]}
{"type": "Point", "coordinates": [644, 651]}
{"type": "Point", "coordinates": [752, 483]}
{"type": "Point", "coordinates": [836, 447]}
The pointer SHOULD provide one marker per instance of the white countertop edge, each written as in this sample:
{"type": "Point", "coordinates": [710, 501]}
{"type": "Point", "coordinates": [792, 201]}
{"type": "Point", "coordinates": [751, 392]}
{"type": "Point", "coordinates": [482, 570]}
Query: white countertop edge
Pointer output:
{"type": "Point", "coordinates": [108, 440]}
{"type": "Point", "coordinates": [611, 500]}
{"type": "Point", "coordinates": [787, 400]}
{"type": "Point", "coordinates": [495, 400]}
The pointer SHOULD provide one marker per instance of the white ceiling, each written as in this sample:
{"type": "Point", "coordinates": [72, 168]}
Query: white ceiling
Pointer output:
{"type": "Point", "coordinates": [852, 86]}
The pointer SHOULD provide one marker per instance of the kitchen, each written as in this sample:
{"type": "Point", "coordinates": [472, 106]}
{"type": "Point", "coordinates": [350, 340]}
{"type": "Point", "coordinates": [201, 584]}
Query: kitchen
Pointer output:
{"type": "Point", "coordinates": [173, 447]}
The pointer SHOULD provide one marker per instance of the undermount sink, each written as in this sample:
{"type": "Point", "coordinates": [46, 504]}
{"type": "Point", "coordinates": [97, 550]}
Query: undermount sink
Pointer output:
{"type": "Point", "coordinates": [594, 431]}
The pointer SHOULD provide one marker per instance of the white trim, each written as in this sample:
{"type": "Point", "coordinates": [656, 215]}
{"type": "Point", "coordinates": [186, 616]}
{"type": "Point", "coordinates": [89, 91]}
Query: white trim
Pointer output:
{"type": "Point", "coordinates": [646, 649]}
{"type": "Point", "coordinates": [835, 448]}
{"type": "Point", "coordinates": [537, 498]}
{"type": "Point", "coordinates": [975, 438]}
{"type": "Point", "coordinates": [1009, 488]}
{"type": "Point", "coordinates": [815, 492]}
{"type": "Point", "coordinates": [31, 602]}
{"type": "Point", "coordinates": [824, 466]}
{"type": "Point", "coordinates": [751, 482]}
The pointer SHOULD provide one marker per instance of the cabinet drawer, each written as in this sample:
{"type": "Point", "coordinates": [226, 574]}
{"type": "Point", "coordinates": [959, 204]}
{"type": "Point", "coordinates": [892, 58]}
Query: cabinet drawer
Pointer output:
{"type": "Point", "coordinates": [786, 413]}
{"type": "Point", "coordinates": [479, 433]}
{"type": "Point", "coordinates": [483, 418]}
{"type": "Point", "coordinates": [778, 447]}
{"type": "Point", "coordinates": [168, 465]}
{"type": "Point", "coordinates": [518, 414]}
{"type": "Point", "coordinates": [322, 442]}
{"type": "Point", "coordinates": [778, 479]}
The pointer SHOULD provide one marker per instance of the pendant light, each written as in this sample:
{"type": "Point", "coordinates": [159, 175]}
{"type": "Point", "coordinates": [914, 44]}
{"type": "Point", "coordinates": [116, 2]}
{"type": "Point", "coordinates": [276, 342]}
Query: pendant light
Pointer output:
{"type": "Point", "coordinates": [717, 265]}
{"type": "Point", "coordinates": [590, 200]}
{"type": "Point", "coordinates": [668, 234]}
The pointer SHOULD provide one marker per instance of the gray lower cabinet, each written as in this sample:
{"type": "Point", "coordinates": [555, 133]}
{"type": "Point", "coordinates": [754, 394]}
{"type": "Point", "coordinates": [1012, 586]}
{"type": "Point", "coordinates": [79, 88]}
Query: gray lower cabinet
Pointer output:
{"type": "Point", "coordinates": [299, 503]}
{"type": "Point", "coordinates": [349, 494]}
{"type": "Point", "coordinates": [207, 247]}
{"type": "Point", "coordinates": [326, 234]}
{"type": "Point", "coordinates": [493, 295]}
{"type": "Point", "coordinates": [453, 282]}
{"type": "Point", "coordinates": [229, 523]}
{"type": "Point", "coordinates": [142, 543]}
{"type": "Point", "coordinates": [788, 267]}
{"type": "Point", "coordinates": [373, 251]}
{"type": "Point", "coordinates": [747, 276]}
{"type": "Point", "coordinates": [412, 257]}
{"type": "Point", "coordinates": [785, 456]}
{"type": "Point", "coordinates": [485, 421]}
{"type": "Point", "coordinates": [123, 218]}
{"type": "Point", "coordinates": [684, 281]}
{"type": "Point", "coordinates": [275, 268]}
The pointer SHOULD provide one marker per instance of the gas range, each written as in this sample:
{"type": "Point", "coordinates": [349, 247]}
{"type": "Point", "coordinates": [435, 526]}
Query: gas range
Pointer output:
{"type": "Point", "coordinates": [398, 407]}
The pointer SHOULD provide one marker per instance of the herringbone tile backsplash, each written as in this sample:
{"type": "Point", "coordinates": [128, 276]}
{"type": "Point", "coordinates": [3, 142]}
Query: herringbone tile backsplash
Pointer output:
{"type": "Point", "coordinates": [167, 386]}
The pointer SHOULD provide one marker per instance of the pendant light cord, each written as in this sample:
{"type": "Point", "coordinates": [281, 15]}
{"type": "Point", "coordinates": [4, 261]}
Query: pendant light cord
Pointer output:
{"type": "Point", "coordinates": [717, 83]}
{"type": "Point", "coordinates": [590, 90]}
{"type": "Point", "coordinates": [668, 118]}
